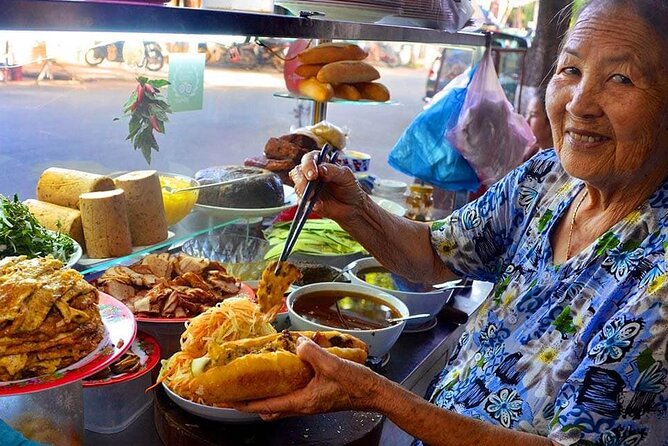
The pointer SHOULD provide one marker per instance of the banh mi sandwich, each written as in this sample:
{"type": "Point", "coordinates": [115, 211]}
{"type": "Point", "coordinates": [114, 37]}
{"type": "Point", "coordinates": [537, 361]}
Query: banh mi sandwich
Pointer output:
{"type": "Point", "coordinates": [253, 368]}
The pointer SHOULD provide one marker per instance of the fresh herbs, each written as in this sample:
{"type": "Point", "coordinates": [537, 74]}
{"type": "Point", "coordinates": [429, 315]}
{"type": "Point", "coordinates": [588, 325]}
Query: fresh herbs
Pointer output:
{"type": "Point", "coordinates": [148, 113]}
{"type": "Point", "coordinates": [21, 234]}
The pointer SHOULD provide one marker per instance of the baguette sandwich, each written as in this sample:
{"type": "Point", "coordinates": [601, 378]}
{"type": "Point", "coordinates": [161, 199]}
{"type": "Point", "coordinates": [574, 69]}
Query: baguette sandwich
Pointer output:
{"type": "Point", "coordinates": [252, 368]}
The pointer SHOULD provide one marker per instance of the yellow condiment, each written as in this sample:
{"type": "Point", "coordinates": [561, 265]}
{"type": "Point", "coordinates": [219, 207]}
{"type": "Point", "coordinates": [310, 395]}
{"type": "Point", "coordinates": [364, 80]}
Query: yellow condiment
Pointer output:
{"type": "Point", "coordinates": [177, 205]}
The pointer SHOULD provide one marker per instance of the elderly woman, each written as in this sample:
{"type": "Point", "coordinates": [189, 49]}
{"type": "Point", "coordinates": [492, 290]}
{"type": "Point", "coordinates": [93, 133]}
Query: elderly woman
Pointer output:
{"type": "Point", "coordinates": [571, 345]}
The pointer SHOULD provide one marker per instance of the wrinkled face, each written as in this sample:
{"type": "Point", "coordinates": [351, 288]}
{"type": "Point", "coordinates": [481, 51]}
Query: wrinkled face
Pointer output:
{"type": "Point", "coordinates": [540, 125]}
{"type": "Point", "coordinates": [608, 100]}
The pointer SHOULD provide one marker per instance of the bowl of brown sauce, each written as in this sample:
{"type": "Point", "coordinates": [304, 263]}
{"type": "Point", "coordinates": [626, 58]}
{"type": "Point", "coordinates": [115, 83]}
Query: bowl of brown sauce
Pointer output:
{"type": "Point", "coordinates": [357, 310]}
{"type": "Point", "coordinates": [419, 297]}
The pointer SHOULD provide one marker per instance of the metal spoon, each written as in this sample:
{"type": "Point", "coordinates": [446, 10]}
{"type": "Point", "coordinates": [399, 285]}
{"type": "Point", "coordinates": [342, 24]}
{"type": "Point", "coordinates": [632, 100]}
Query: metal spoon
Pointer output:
{"type": "Point", "coordinates": [406, 318]}
{"type": "Point", "coordinates": [171, 190]}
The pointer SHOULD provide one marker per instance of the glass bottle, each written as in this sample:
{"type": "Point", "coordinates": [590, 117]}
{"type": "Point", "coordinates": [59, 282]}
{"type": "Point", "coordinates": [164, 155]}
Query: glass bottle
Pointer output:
{"type": "Point", "coordinates": [419, 202]}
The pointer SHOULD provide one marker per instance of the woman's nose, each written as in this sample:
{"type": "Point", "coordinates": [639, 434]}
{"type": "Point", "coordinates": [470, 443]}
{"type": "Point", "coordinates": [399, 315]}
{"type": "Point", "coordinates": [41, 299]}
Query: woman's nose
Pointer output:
{"type": "Point", "coordinates": [584, 102]}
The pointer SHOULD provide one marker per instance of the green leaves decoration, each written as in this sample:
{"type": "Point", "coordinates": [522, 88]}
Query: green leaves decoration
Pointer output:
{"type": "Point", "coordinates": [148, 113]}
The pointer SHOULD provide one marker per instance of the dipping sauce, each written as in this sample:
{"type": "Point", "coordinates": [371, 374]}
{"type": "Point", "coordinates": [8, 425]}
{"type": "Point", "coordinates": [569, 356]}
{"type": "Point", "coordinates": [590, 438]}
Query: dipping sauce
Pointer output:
{"type": "Point", "coordinates": [345, 310]}
{"type": "Point", "coordinates": [381, 277]}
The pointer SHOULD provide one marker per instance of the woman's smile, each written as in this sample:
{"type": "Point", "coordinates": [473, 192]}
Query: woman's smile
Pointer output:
{"type": "Point", "coordinates": [583, 139]}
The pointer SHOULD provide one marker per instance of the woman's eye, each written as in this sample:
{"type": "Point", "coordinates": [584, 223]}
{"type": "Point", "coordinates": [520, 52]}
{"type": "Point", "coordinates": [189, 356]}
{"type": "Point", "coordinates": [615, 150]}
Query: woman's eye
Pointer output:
{"type": "Point", "coordinates": [621, 79]}
{"type": "Point", "coordinates": [572, 71]}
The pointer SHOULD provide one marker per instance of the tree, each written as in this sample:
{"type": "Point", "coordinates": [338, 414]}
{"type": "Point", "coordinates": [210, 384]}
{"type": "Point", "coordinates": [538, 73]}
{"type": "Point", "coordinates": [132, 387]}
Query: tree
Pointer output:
{"type": "Point", "coordinates": [553, 20]}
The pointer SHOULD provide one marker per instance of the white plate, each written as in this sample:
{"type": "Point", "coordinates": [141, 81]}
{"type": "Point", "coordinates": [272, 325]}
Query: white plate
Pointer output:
{"type": "Point", "coordinates": [210, 412]}
{"type": "Point", "coordinates": [76, 255]}
{"type": "Point", "coordinates": [390, 206]}
{"type": "Point", "coordinates": [87, 261]}
{"type": "Point", "coordinates": [222, 212]}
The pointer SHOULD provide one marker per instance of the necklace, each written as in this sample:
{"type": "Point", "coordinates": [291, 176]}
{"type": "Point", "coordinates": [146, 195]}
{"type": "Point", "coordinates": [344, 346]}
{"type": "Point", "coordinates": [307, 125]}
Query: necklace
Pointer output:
{"type": "Point", "coordinates": [570, 230]}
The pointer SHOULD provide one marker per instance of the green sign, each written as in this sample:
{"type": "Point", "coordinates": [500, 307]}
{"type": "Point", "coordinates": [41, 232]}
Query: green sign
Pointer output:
{"type": "Point", "coordinates": [186, 75]}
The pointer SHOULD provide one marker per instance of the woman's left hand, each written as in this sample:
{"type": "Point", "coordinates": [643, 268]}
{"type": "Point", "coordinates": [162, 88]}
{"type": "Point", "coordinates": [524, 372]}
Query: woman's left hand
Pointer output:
{"type": "Point", "coordinates": [338, 384]}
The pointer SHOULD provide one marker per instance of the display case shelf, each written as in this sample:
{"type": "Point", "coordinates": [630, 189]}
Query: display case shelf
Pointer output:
{"type": "Point", "coordinates": [69, 15]}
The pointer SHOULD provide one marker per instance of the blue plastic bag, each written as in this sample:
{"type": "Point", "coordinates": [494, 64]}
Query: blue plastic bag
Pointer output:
{"type": "Point", "coordinates": [423, 152]}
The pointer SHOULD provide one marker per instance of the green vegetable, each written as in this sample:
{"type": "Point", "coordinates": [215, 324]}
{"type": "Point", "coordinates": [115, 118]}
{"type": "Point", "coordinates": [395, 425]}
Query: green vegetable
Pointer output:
{"type": "Point", "coordinates": [21, 234]}
{"type": "Point", "coordinates": [318, 237]}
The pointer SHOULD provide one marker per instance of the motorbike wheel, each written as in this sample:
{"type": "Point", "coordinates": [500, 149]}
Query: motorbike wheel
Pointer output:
{"type": "Point", "coordinates": [92, 59]}
{"type": "Point", "coordinates": [154, 58]}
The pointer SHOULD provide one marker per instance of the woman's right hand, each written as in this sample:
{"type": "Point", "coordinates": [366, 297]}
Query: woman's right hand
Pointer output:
{"type": "Point", "coordinates": [341, 195]}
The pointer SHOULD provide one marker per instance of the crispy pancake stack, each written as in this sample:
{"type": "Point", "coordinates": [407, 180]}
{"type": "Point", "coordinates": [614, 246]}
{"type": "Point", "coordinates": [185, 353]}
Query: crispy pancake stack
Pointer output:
{"type": "Point", "coordinates": [49, 317]}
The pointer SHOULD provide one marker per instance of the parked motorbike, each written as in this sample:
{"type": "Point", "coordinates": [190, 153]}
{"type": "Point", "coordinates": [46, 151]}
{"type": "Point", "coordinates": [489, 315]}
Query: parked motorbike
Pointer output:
{"type": "Point", "coordinates": [247, 54]}
{"type": "Point", "coordinates": [152, 59]}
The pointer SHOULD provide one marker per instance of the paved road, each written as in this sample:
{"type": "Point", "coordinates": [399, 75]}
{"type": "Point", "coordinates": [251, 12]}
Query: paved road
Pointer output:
{"type": "Point", "coordinates": [70, 124]}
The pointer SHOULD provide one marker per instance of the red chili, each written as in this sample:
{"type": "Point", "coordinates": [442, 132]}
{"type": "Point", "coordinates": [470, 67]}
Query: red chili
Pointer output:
{"type": "Point", "coordinates": [149, 88]}
{"type": "Point", "coordinates": [140, 93]}
{"type": "Point", "coordinates": [154, 123]}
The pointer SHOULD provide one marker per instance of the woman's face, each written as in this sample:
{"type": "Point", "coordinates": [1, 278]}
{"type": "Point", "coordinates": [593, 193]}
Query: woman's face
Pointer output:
{"type": "Point", "coordinates": [608, 100]}
{"type": "Point", "coordinates": [540, 125]}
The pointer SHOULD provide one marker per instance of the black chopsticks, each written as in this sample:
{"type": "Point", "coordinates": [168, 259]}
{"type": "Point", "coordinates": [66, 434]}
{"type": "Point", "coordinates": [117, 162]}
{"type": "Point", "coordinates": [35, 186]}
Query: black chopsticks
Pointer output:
{"type": "Point", "coordinates": [328, 154]}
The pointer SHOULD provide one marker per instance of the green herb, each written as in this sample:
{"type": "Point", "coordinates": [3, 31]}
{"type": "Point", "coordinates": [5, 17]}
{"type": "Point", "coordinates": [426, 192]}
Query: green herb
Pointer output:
{"type": "Point", "coordinates": [21, 234]}
{"type": "Point", "coordinates": [148, 113]}
{"type": "Point", "coordinates": [318, 237]}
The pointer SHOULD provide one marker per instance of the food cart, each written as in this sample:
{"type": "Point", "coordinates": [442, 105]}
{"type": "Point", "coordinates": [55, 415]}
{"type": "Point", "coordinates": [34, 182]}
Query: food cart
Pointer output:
{"type": "Point", "coordinates": [412, 361]}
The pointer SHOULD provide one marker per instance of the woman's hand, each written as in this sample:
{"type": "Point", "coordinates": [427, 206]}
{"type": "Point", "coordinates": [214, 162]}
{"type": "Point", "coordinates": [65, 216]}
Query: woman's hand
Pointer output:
{"type": "Point", "coordinates": [338, 384]}
{"type": "Point", "coordinates": [342, 193]}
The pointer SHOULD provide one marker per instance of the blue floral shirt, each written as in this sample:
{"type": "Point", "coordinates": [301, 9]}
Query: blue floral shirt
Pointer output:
{"type": "Point", "coordinates": [575, 352]}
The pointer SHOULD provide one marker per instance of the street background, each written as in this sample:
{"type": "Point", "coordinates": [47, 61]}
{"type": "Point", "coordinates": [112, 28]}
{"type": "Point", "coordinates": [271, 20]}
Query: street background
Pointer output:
{"type": "Point", "coordinates": [69, 123]}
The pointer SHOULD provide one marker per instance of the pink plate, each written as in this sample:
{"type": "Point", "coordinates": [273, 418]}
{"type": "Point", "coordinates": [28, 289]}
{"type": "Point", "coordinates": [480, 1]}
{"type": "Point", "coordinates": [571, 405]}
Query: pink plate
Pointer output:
{"type": "Point", "coordinates": [119, 332]}
{"type": "Point", "coordinates": [244, 290]}
{"type": "Point", "coordinates": [148, 350]}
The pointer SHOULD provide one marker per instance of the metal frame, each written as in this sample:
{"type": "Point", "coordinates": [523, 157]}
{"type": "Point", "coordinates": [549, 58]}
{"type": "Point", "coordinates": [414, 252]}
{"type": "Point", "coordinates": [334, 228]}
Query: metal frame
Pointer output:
{"type": "Point", "coordinates": [71, 15]}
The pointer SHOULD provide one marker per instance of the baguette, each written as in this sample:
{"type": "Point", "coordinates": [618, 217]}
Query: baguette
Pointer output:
{"type": "Point", "coordinates": [252, 368]}
{"type": "Point", "coordinates": [308, 70]}
{"type": "Point", "coordinates": [347, 72]}
{"type": "Point", "coordinates": [373, 91]}
{"type": "Point", "coordinates": [311, 87]}
{"type": "Point", "coordinates": [347, 91]}
{"type": "Point", "coordinates": [331, 52]}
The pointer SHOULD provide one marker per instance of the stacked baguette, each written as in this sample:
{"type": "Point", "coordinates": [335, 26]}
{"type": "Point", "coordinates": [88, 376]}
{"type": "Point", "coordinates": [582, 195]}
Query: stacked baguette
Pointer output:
{"type": "Point", "coordinates": [336, 70]}
{"type": "Point", "coordinates": [106, 217]}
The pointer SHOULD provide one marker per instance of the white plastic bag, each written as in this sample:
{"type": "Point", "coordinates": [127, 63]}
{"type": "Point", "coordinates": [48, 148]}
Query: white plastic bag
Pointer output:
{"type": "Point", "coordinates": [489, 134]}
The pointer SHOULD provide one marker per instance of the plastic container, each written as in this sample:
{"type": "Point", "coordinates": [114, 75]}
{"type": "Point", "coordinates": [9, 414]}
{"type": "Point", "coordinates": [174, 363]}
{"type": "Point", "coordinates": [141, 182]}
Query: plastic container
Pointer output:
{"type": "Point", "coordinates": [53, 416]}
{"type": "Point", "coordinates": [419, 202]}
{"type": "Point", "coordinates": [390, 190]}
{"type": "Point", "coordinates": [111, 409]}
{"type": "Point", "coordinates": [112, 404]}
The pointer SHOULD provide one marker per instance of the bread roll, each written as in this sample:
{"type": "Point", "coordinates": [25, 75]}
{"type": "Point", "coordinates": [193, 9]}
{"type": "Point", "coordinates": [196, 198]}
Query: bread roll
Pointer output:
{"type": "Point", "coordinates": [105, 224]}
{"type": "Point", "coordinates": [63, 186]}
{"type": "Point", "coordinates": [311, 87]}
{"type": "Point", "coordinates": [347, 72]}
{"type": "Point", "coordinates": [146, 212]}
{"type": "Point", "coordinates": [331, 52]}
{"type": "Point", "coordinates": [308, 70]}
{"type": "Point", "coordinates": [347, 91]}
{"type": "Point", "coordinates": [58, 218]}
{"type": "Point", "coordinates": [373, 91]}
{"type": "Point", "coordinates": [254, 368]}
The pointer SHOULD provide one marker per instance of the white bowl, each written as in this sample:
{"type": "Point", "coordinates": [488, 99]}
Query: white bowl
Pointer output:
{"type": "Point", "coordinates": [380, 341]}
{"type": "Point", "coordinates": [431, 302]}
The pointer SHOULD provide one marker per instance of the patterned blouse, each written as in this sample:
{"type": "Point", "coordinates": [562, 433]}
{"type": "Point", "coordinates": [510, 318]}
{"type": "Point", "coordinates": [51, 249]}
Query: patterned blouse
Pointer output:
{"type": "Point", "coordinates": [575, 352]}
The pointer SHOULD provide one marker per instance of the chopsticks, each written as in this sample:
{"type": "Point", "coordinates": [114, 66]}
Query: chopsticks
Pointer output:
{"type": "Point", "coordinates": [328, 154]}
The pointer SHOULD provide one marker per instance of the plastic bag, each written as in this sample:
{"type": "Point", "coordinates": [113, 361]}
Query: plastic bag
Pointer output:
{"type": "Point", "coordinates": [489, 134]}
{"type": "Point", "coordinates": [423, 152]}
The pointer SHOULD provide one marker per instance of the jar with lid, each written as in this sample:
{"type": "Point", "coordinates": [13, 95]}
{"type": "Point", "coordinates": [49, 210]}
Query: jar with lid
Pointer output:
{"type": "Point", "coordinates": [392, 190]}
{"type": "Point", "coordinates": [419, 202]}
